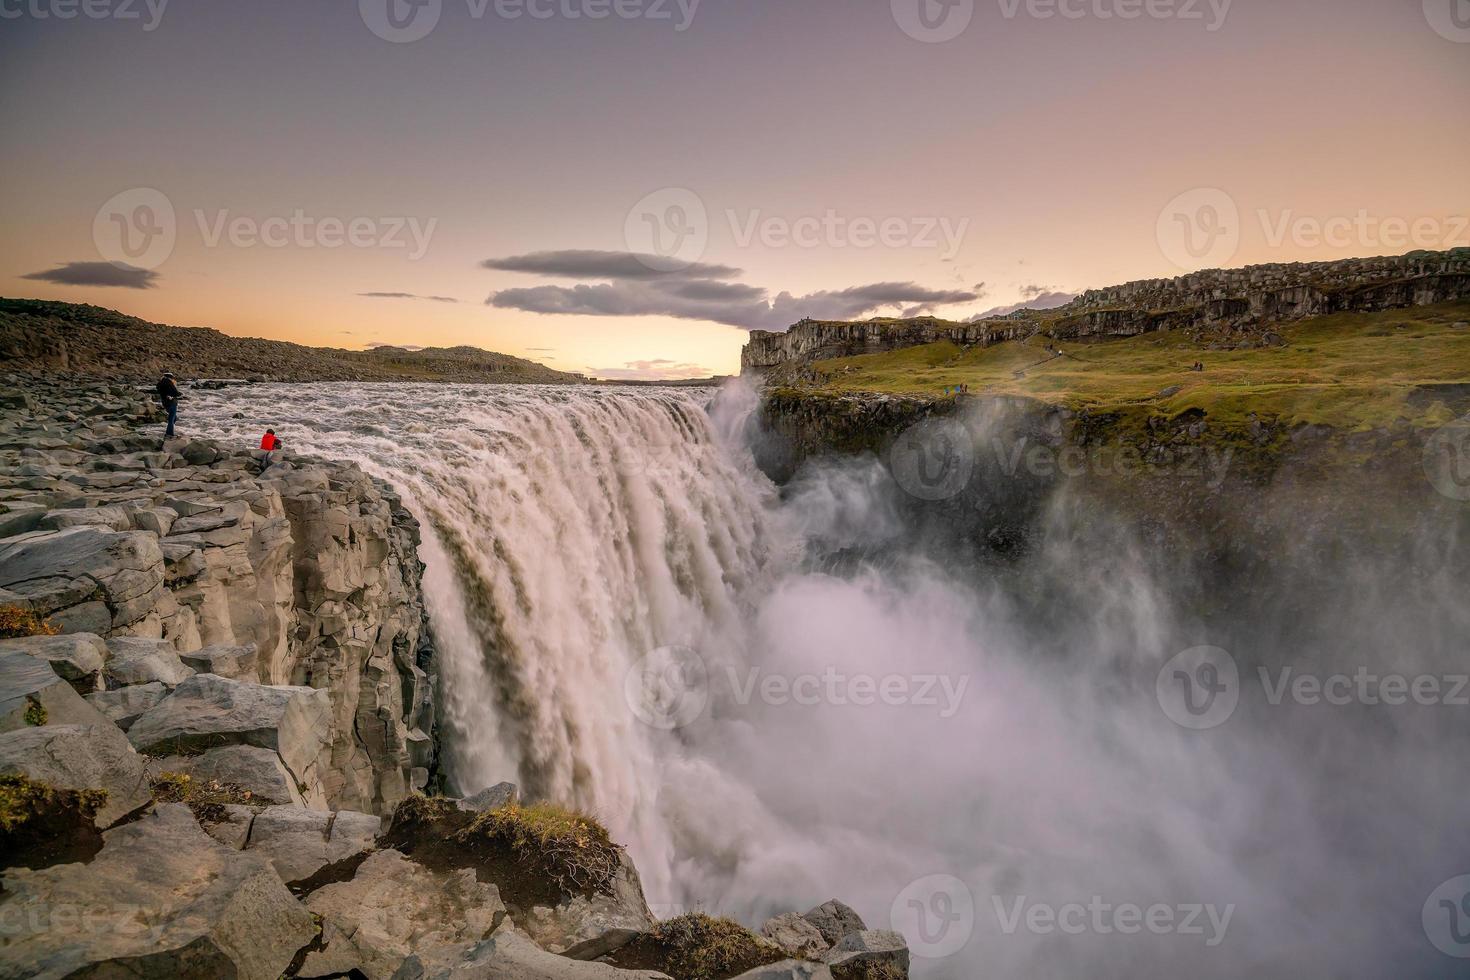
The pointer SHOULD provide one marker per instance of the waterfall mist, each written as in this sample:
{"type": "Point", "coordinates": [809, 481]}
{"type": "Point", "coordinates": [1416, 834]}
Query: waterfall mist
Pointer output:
{"type": "Point", "coordinates": [882, 718]}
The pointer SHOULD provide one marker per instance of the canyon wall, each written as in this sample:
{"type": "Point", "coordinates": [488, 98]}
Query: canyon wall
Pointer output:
{"type": "Point", "coordinates": [1248, 299]}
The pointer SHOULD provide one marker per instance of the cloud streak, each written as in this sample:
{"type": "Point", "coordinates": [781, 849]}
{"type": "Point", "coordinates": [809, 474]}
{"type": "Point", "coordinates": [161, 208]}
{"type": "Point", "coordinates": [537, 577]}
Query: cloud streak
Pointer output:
{"type": "Point", "coordinates": [586, 263]}
{"type": "Point", "coordinates": [97, 274]}
{"type": "Point", "coordinates": [435, 299]}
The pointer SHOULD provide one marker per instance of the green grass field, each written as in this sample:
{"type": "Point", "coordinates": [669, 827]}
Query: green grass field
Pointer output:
{"type": "Point", "coordinates": [1351, 371]}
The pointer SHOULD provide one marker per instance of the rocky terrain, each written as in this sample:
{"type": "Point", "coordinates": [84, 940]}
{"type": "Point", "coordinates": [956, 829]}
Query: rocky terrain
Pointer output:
{"type": "Point", "coordinates": [37, 335]}
{"type": "Point", "coordinates": [1245, 301]}
{"type": "Point", "coordinates": [217, 730]}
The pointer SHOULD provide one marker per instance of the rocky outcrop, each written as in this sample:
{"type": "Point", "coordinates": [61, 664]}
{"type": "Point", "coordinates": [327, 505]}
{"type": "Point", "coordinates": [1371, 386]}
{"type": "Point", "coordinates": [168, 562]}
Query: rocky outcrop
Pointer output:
{"type": "Point", "coordinates": [80, 757]}
{"type": "Point", "coordinates": [183, 559]}
{"type": "Point", "coordinates": [162, 899]}
{"type": "Point", "coordinates": [1247, 299]}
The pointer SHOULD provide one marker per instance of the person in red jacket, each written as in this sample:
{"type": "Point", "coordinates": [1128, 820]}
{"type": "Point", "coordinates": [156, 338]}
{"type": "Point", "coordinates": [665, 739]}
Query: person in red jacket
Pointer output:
{"type": "Point", "coordinates": [268, 444]}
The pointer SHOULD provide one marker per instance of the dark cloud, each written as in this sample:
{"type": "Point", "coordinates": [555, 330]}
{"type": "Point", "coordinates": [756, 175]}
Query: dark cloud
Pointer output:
{"type": "Point", "coordinates": [436, 299]}
{"type": "Point", "coordinates": [722, 302]}
{"type": "Point", "coordinates": [586, 263]}
{"type": "Point", "coordinates": [1039, 301]}
{"type": "Point", "coordinates": [97, 274]}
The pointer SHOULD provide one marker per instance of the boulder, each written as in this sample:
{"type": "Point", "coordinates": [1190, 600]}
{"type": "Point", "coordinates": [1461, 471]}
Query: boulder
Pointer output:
{"type": "Point", "coordinates": [300, 842]}
{"type": "Point", "coordinates": [117, 575]}
{"type": "Point", "coordinates": [788, 970]}
{"type": "Point", "coordinates": [125, 705]}
{"type": "Point", "coordinates": [394, 907]}
{"type": "Point", "coordinates": [493, 798]}
{"type": "Point", "coordinates": [795, 935]}
{"type": "Point", "coordinates": [584, 928]}
{"type": "Point", "coordinates": [135, 660]}
{"type": "Point", "coordinates": [834, 921]}
{"type": "Point", "coordinates": [114, 518]}
{"type": "Point", "coordinates": [31, 693]}
{"type": "Point", "coordinates": [873, 946]}
{"type": "Point", "coordinates": [509, 955]}
{"type": "Point", "coordinates": [223, 660]}
{"type": "Point", "coordinates": [229, 823]}
{"type": "Point", "coordinates": [80, 757]}
{"type": "Point", "coordinates": [76, 657]}
{"type": "Point", "coordinates": [160, 900]}
{"type": "Point", "coordinates": [250, 768]}
{"type": "Point", "coordinates": [207, 712]}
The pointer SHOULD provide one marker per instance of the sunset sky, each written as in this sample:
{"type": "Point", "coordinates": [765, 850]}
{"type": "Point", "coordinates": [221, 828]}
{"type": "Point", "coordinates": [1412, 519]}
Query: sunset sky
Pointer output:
{"type": "Point", "coordinates": [492, 178]}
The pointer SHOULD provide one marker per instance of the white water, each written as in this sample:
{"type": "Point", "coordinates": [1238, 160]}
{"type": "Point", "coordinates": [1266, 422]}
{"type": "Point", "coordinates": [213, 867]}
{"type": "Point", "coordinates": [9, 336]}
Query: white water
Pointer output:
{"type": "Point", "coordinates": [572, 533]}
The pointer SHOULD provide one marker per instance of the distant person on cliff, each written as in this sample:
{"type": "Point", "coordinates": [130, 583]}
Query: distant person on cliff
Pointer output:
{"type": "Point", "coordinates": [168, 396]}
{"type": "Point", "coordinates": [268, 444]}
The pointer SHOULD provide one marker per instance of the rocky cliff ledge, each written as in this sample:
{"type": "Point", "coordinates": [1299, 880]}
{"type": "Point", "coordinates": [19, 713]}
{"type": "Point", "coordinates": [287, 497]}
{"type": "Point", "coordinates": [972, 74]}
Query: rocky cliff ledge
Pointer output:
{"type": "Point", "coordinates": [183, 558]}
{"type": "Point", "coordinates": [1246, 300]}
{"type": "Point", "coordinates": [216, 703]}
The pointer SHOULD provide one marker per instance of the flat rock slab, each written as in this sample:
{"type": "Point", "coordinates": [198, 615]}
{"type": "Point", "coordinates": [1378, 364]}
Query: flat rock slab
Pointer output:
{"type": "Point", "coordinates": [394, 907]}
{"type": "Point", "coordinates": [247, 766]}
{"type": "Point", "coordinates": [162, 899]}
{"type": "Point", "coordinates": [207, 712]}
{"type": "Point", "coordinates": [874, 946]}
{"type": "Point", "coordinates": [125, 705]}
{"type": "Point", "coordinates": [76, 657]}
{"type": "Point", "coordinates": [300, 842]}
{"type": "Point", "coordinates": [508, 955]}
{"type": "Point", "coordinates": [126, 565]}
{"type": "Point", "coordinates": [789, 970]}
{"type": "Point", "coordinates": [31, 693]}
{"type": "Point", "coordinates": [134, 660]}
{"type": "Point", "coordinates": [80, 757]}
{"type": "Point", "coordinates": [234, 662]}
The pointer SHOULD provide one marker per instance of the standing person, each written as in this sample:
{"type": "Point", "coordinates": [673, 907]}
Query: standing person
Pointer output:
{"type": "Point", "coordinates": [168, 395]}
{"type": "Point", "coordinates": [268, 444]}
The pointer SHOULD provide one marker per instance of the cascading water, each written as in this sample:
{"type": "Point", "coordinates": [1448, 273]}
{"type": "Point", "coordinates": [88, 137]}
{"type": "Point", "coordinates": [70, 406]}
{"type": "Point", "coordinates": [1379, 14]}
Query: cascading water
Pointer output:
{"type": "Point", "coordinates": [873, 724]}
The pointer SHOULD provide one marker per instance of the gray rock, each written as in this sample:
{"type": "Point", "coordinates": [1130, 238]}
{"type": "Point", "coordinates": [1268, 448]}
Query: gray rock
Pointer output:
{"type": "Point", "coordinates": [788, 970]}
{"type": "Point", "coordinates": [301, 842]}
{"type": "Point", "coordinates": [230, 825]}
{"type": "Point", "coordinates": [134, 660]}
{"type": "Point", "coordinates": [31, 693]}
{"type": "Point", "coordinates": [74, 564]}
{"type": "Point", "coordinates": [124, 706]}
{"type": "Point", "coordinates": [20, 518]}
{"type": "Point", "coordinates": [255, 769]}
{"type": "Point", "coordinates": [394, 907]}
{"type": "Point", "coordinates": [493, 798]}
{"type": "Point", "coordinates": [878, 946]}
{"type": "Point", "coordinates": [114, 518]}
{"type": "Point", "coordinates": [76, 657]}
{"type": "Point", "coordinates": [80, 757]}
{"type": "Point", "coordinates": [160, 900]}
{"type": "Point", "coordinates": [795, 935]}
{"type": "Point", "coordinates": [159, 520]}
{"type": "Point", "coordinates": [508, 955]}
{"type": "Point", "coordinates": [207, 712]}
{"type": "Point", "coordinates": [235, 662]}
{"type": "Point", "coordinates": [584, 928]}
{"type": "Point", "coordinates": [833, 920]}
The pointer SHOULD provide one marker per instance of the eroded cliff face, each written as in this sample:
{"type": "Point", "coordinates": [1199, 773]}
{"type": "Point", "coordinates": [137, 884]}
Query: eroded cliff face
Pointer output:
{"type": "Point", "coordinates": [312, 566]}
{"type": "Point", "coordinates": [1248, 299]}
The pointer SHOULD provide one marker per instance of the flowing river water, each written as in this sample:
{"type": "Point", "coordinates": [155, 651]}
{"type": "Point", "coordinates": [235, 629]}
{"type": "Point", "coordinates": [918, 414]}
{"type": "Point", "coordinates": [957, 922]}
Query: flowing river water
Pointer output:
{"type": "Point", "coordinates": [775, 697]}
